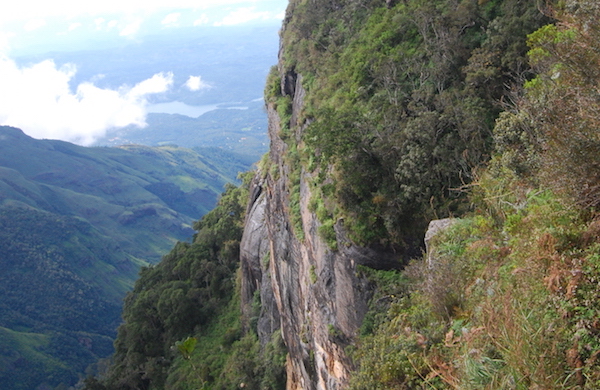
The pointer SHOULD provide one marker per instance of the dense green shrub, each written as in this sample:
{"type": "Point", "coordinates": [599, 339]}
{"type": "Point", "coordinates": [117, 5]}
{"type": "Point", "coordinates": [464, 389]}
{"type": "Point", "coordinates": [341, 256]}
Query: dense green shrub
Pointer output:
{"type": "Point", "coordinates": [501, 305]}
{"type": "Point", "coordinates": [561, 103]}
{"type": "Point", "coordinates": [191, 295]}
{"type": "Point", "coordinates": [513, 288]}
{"type": "Point", "coordinates": [401, 101]}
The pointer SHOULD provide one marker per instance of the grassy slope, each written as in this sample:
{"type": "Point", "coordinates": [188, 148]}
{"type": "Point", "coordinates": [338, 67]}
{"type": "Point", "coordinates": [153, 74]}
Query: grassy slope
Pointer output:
{"type": "Point", "coordinates": [511, 301]}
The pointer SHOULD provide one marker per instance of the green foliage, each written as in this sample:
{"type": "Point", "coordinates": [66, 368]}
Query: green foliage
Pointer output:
{"type": "Point", "coordinates": [507, 298]}
{"type": "Point", "coordinates": [551, 141]}
{"type": "Point", "coordinates": [31, 365]}
{"type": "Point", "coordinates": [172, 299]}
{"type": "Point", "coordinates": [313, 274]}
{"type": "Point", "coordinates": [334, 332]}
{"type": "Point", "coordinates": [395, 356]}
{"type": "Point", "coordinates": [60, 296]}
{"type": "Point", "coordinates": [388, 287]}
{"type": "Point", "coordinates": [187, 347]}
{"type": "Point", "coordinates": [517, 145]}
{"type": "Point", "coordinates": [293, 159]}
{"type": "Point", "coordinates": [327, 233]}
{"type": "Point", "coordinates": [182, 326]}
{"type": "Point", "coordinates": [560, 104]}
{"type": "Point", "coordinates": [401, 101]}
{"type": "Point", "coordinates": [284, 109]}
{"type": "Point", "coordinates": [273, 85]}
{"type": "Point", "coordinates": [223, 362]}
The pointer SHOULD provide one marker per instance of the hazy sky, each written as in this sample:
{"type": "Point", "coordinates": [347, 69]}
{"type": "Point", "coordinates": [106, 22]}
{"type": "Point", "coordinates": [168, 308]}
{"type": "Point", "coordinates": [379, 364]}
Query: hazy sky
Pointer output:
{"type": "Point", "coordinates": [39, 99]}
{"type": "Point", "coordinates": [24, 21]}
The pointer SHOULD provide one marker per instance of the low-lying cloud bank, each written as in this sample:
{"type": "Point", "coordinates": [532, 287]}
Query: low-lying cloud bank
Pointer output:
{"type": "Point", "coordinates": [39, 100]}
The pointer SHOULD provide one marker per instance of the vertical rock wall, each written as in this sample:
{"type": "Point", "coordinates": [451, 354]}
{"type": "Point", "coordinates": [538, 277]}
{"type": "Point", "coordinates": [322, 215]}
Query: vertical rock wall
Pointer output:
{"type": "Point", "coordinates": [307, 290]}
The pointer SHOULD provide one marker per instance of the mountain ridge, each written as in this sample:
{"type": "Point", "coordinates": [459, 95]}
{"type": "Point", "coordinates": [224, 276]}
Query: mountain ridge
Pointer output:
{"type": "Point", "coordinates": [77, 224]}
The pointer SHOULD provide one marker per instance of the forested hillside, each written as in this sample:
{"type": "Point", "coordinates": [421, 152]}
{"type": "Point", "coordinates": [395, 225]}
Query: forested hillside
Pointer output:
{"type": "Point", "coordinates": [385, 116]}
{"type": "Point", "coordinates": [76, 225]}
{"type": "Point", "coordinates": [183, 326]}
{"type": "Point", "coordinates": [508, 295]}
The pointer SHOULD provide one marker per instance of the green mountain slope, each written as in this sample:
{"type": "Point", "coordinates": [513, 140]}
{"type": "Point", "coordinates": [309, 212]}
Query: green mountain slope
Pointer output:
{"type": "Point", "coordinates": [238, 130]}
{"type": "Point", "coordinates": [191, 298]}
{"type": "Point", "coordinates": [117, 190]}
{"type": "Point", "coordinates": [76, 225]}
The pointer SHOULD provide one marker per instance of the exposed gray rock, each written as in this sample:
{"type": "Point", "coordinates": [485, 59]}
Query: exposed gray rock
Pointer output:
{"type": "Point", "coordinates": [255, 259]}
{"type": "Point", "coordinates": [311, 291]}
{"type": "Point", "coordinates": [435, 227]}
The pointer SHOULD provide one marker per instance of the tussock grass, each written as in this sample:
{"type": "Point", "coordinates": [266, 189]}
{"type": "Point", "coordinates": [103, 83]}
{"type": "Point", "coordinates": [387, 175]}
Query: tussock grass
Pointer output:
{"type": "Point", "coordinates": [507, 300]}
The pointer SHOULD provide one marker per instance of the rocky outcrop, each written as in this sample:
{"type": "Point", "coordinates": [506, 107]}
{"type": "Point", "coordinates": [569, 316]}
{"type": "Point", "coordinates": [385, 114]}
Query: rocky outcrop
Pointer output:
{"type": "Point", "coordinates": [306, 289]}
{"type": "Point", "coordinates": [256, 290]}
{"type": "Point", "coordinates": [435, 227]}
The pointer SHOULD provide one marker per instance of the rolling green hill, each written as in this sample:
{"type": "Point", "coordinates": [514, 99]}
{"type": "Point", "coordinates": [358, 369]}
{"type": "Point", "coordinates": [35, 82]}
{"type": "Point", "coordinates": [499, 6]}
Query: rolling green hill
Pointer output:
{"type": "Point", "coordinates": [76, 225]}
{"type": "Point", "coordinates": [238, 130]}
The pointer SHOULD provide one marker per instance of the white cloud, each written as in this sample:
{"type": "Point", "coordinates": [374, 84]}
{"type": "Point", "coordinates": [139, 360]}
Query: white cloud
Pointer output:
{"type": "Point", "coordinates": [34, 24]}
{"type": "Point", "coordinates": [27, 9]}
{"type": "Point", "coordinates": [243, 15]}
{"type": "Point", "coordinates": [280, 15]}
{"type": "Point", "coordinates": [171, 19]}
{"type": "Point", "coordinates": [131, 28]}
{"type": "Point", "coordinates": [5, 41]}
{"type": "Point", "coordinates": [74, 26]}
{"type": "Point", "coordinates": [112, 24]}
{"type": "Point", "coordinates": [201, 21]}
{"type": "Point", "coordinates": [38, 100]}
{"type": "Point", "coordinates": [99, 22]}
{"type": "Point", "coordinates": [195, 83]}
{"type": "Point", "coordinates": [160, 82]}
{"type": "Point", "coordinates": [126, 25]}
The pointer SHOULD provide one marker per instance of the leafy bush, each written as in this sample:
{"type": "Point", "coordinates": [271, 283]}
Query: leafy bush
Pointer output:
{"type": "Point", "coordinates": [401, 101]}
{"type": "Point", "coordinates": [561, 101]}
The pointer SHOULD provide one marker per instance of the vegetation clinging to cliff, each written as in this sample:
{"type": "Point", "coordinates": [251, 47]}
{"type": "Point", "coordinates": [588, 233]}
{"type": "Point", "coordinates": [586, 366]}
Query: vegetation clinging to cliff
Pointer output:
{"type": "Point", "coordinates": [509, 297]}
{"type": "Point", "coordinates": [401, 100]}
{"type": "Point", "coordinates": [192, 294]}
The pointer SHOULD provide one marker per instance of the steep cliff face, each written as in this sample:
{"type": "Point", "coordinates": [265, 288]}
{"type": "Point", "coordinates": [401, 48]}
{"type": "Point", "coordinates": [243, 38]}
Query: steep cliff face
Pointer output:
{"type": "Point", "coordinates": [307, 289]}
{"type": "Point", "coordinates": [378, 112]}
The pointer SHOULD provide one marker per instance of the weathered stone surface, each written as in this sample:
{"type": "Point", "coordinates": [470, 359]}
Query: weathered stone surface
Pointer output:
{"type": "Point", "coordinates": [254, 257]}
{"type": "Point", "coordinates": [312, 292]}
{"type": "Point", "coordinates": [435, 227]}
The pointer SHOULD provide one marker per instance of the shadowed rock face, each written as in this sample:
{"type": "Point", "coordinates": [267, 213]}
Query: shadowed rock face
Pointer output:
{"type": "Point", "coordinates": [307, 290]}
